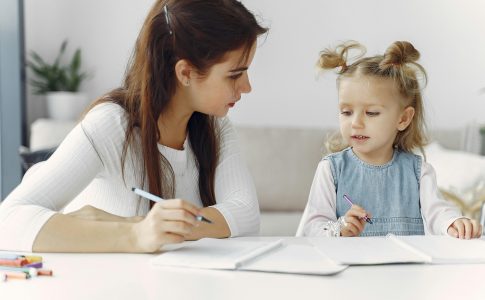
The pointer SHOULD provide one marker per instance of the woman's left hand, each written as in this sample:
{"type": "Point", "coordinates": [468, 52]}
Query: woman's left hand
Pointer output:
{"type": "Point", "coordinates": [464, 228]}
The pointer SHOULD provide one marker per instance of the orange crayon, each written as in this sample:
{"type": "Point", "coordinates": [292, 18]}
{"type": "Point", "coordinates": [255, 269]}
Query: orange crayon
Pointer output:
{"type": "Point", "coordinates": [44, 272]}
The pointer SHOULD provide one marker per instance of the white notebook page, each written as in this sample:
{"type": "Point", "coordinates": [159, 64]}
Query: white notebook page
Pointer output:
{"type": "Point", "coordinates": [366, 251]}
{"type": "Point", "coordinates": [210, 253]}
{"type": "Point", "coordinates": [298, 259]}
{"type": "Point", "coordinates": [446, 249]}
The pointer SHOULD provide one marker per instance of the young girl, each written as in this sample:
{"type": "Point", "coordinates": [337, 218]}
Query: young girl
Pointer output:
{"type": "Point", "coordinates": [381, 121]}
{"type": "Point", "coordinates": [161, 131]}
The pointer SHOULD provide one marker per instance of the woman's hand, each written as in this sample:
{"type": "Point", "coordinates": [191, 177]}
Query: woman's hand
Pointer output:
{"type": "Point", "coordinates": [354, 221]}
{"type": "Point", "coordinates": [464, 228]}
{"type": "Point", "coordinates": [168, 222]}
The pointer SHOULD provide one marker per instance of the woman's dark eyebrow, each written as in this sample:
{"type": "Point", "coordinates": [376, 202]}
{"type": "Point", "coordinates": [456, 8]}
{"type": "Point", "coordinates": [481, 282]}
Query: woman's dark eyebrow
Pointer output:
{"type": "Point", "coordinates": [238, 69]}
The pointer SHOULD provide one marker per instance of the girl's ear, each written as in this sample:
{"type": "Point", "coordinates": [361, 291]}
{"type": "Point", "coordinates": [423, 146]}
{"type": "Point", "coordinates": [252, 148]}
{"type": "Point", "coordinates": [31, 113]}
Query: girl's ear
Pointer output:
{"type": "Point", "coordinates": [406, 118]}
{"type": "Point", "coordinates": [183, 70]}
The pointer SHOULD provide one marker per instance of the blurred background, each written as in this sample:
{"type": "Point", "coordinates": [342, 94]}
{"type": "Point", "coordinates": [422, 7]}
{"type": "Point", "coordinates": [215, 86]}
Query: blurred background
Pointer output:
{"type": "Point", "coordinates": [287, 93]}
{"type": "Point", "coordinates": [449, 35]}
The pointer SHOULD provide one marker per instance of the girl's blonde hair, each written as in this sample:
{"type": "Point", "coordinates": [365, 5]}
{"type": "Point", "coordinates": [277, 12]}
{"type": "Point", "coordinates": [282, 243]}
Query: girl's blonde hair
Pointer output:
{"type": "Point", "coordinates": [398, 64]}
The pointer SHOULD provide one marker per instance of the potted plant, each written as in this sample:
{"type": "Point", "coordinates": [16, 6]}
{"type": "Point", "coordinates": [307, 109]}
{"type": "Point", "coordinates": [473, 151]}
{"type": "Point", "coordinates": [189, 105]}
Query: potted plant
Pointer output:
{"type": "Point", "coordinates": [60, 83]}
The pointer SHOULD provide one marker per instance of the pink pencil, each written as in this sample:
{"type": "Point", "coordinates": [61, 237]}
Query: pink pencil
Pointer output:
{"type": "Point", "coordinates": [350, 202]}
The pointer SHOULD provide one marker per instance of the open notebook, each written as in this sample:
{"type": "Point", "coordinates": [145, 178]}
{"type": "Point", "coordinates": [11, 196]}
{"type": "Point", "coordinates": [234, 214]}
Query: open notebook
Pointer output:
{"type": "Point", "coordinates": [401, 249]}
{"type": "Point", "coordinates": [237, 254]}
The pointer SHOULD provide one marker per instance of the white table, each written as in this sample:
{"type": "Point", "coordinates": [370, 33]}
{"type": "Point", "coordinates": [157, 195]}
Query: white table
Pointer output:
{"type": "Point", "coordinates": [131, 276]}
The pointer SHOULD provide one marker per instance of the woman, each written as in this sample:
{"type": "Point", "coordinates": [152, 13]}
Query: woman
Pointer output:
{"type": "Point", "coordinates": [162, 131]}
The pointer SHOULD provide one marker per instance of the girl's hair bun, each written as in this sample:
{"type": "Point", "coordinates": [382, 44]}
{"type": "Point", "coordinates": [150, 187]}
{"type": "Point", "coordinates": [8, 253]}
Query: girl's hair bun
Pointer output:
{"type": "Point", "coordinates": [338, 57]}
{"type": "Point", "coordinates": [398, 54]}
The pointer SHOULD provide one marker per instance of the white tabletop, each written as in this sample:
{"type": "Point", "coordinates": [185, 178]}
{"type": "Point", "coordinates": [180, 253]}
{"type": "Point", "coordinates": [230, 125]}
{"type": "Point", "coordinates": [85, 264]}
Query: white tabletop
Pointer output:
{"type": "Point", "coordinates": [131, 276]}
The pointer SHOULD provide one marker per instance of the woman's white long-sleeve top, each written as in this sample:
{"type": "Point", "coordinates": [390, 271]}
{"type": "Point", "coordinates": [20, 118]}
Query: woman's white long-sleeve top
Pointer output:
{"type": "Point", "coordinates": [86, 170]}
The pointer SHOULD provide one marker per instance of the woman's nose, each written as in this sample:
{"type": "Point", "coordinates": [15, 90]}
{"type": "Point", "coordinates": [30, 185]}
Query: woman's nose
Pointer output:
{"type": "Point", "coordinates": [245, 86]}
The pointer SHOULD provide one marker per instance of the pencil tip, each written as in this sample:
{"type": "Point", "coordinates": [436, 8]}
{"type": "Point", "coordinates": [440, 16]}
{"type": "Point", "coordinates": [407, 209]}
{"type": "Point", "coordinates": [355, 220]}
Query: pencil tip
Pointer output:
{"type": "Point", "coordinates": [132, 189]}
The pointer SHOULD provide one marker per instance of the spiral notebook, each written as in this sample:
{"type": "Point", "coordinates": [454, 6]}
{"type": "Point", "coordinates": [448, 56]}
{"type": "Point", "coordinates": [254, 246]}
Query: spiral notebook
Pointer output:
{"type": "Point", "coordinates": [263, 256]}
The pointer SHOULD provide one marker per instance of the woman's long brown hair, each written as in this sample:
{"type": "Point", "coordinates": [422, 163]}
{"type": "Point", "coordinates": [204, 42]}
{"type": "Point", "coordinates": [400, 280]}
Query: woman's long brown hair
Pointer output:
{"type": "Point", "coordinates": [202, 32]}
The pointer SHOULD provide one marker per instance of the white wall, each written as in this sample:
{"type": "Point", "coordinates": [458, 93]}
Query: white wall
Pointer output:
{"type": "Point", "coordinates": [105, 31]}
{"type": "Point", "coordinates": [448, 33]}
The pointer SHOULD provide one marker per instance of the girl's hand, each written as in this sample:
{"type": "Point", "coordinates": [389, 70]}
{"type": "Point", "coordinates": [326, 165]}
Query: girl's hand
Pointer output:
{"type": "Point", "coordinates": [464, 228]}
{"type": "Point", "coordinates": [168, 222]}
{"type": "Point", "coordinates": [354, 221]}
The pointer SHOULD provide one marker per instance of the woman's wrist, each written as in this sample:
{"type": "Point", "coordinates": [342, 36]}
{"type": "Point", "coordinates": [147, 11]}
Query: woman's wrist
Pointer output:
{"type": "Point", "coordinates": [131, 240]}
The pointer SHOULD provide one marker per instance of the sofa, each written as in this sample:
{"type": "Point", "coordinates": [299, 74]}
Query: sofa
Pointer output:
{"type": "Point", "coordinates": [282, 162]}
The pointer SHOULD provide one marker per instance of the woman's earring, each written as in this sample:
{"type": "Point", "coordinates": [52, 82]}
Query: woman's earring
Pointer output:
{"type": "Point", "coordinates": [187, 83]}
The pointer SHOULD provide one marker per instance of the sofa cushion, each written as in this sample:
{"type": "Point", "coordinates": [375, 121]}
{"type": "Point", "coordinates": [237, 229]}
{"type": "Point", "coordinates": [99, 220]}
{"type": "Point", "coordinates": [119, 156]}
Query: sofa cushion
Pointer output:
{"type": "Point", "coordinates": [282, 162]}
{"type": "Point", "coordinates": [279, 223]}
{"type": "Point", "coordinates": [459, 173]}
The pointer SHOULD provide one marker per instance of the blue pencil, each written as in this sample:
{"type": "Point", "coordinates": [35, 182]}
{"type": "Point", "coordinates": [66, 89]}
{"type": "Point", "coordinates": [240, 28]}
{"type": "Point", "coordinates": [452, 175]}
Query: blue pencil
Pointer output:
{"type": "Point", "coordinates": [158, 199]}
{"type": "Point", "coordinates": [10, 256]}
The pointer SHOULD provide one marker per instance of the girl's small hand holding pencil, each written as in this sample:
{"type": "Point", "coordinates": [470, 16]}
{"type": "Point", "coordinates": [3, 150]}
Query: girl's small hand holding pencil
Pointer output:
{"type": "Point", "coordinates": [355, 220]}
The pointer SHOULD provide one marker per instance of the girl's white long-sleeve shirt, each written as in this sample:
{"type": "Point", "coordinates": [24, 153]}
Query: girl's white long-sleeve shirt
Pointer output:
{"type": "Point", "coordinates": [438, 214]}
{"type": "Point", "coordinates": [86, 170]}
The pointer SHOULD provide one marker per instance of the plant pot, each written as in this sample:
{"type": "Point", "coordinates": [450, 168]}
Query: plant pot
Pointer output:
{"type": "Point", "coordinates": [66, 105]}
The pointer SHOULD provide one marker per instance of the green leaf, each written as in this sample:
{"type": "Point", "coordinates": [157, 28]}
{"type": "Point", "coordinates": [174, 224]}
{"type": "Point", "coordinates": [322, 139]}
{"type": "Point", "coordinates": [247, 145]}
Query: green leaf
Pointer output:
{"type": "Point", "coordinates": [76, 61]}
{"type": "Point", "coordinates": [56, 76]}
{"type": "Point", "coordinates": [37, 59]}
{"type": "Point", "coordinates": [40, 72]}
{"type": "Point", "coordinates": [61, 53]}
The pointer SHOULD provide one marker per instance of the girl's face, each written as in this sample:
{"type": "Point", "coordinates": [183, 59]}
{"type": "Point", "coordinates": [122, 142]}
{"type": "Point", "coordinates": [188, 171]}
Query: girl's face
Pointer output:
{"type": "Point", "coordinates": [218, 91]}
{"type": "Point", "coordinates": [371, 114]}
